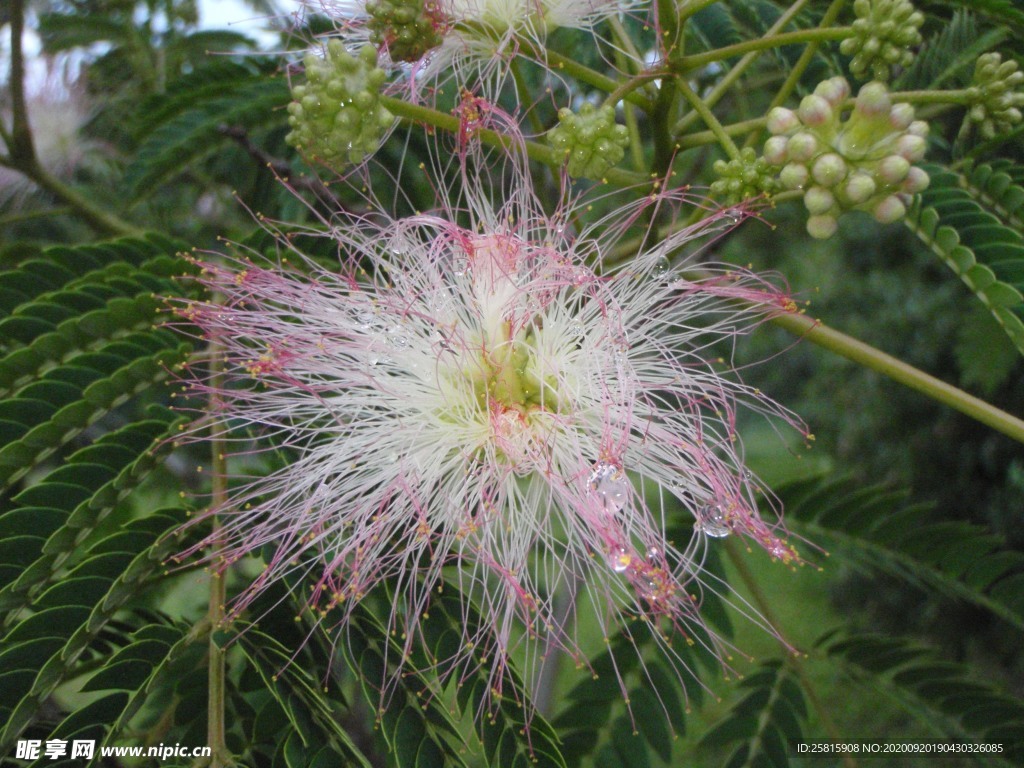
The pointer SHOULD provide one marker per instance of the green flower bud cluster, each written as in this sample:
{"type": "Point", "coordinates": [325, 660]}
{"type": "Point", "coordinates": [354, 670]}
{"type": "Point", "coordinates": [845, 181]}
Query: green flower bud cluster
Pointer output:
{"type": "Point", "coordinates": [743, 177]}
{"type": "Point", "coordinates": [337, 117]}
{"type": "Point", "coordinates": [591, 140]}
{"type": "Point", "coordinates": [863, 163]}
{"type": "Point", "coordinates": [883, 34]}
{"type": "Point", "coordinates": [995, 95]}
{"type": "Point", "coordinates": [407, 28]}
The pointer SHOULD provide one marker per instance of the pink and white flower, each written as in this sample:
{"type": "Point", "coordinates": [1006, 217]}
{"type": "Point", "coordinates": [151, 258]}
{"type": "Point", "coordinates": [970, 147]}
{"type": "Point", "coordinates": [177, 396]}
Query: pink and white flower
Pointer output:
{"type": "Point", "coordinates": [481, 397]}
{"type": "Point", "coordinates": [469, 42]}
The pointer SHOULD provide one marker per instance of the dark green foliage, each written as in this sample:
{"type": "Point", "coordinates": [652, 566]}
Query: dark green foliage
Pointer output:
{"type": "Point", "coordinates": [105, 635]}
{"type": "Point", "coordinates": [879, 531]}
{"type": "Point", "coordinates": [766, 718]}
{"type": "Point", "coordinates": [982, 244]}
{"type": "Point", "coordinates": [948, 697]}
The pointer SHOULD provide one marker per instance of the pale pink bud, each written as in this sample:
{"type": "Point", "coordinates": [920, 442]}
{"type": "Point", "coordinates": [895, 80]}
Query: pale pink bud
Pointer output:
{"type": "Point", "coordinates": [794, 176]}
{"type": "Point", "coordinates": [889, 210]}
{"type": "Point", "coordinates": [893, 169]}
{"type": "Point", "coordinates": [775, 150]}
{"type": "Point", "coordinates": [782, 120]}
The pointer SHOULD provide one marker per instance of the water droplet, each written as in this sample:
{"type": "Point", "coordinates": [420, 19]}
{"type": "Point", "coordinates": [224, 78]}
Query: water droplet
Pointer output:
{"type": "Point", "coordinates": [712, 521]}
{"type": "Point", "coordinates": [653, 556]}
{"type": "Point", "coordinates": [396, 338]}
{"type": "Point", "coordinates": [610, 485]}
{"type": "Point", "coordinates": [365, 319]}
{"type": "Point", "coordinates": [576, 329]}
{"type": "Point", "coordinates": [460, 266]}
{"type": "Point", "coordinates": [661, 268]}
{"type": "Point", "coordinates": [620, 560]}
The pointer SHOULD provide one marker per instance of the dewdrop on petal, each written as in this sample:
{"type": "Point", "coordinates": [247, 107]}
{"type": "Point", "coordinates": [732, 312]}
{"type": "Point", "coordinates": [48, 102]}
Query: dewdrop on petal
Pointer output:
{"type": "Point", "coordinates": [471, 391]}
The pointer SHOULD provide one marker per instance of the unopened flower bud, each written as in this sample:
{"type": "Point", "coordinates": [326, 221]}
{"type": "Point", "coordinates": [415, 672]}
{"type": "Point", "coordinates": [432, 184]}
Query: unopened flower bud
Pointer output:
{"type": "Point", "coordinates": [591, 140]}
{"type": "Point", "coordinates": [893, 169]}
{"type": "Point", "coordinates": [818, 200]}
{"type": "Point", "coordinates": [802, 147]}
{"type": "Point", "coordinates": [821, 227]}
{"type": "Point", "coordinates": [889, 210]}
{"type": "Point", "coordinates": [829, 170]}
{"type": "Point", "coordinates": [794, 176]}
{"type": "Point", "coordinates": [782, 120]}
{"type": "Point", "coordinates": [917, 181]}
{"type": "Point", "coordinates": [834, 90]}
{"type": "Point", "coordinates": [911, 147]}
{"type": "Point", "coordinates": [775, 150]}
{"type": "Point", "coordinates": [814, 111]}
{"type": "Point", "coordinates": [859, 188]}
{"type": "Point", "coordinates": [873, 99]}
{"type": "Point", "coordinates": [901, 116]}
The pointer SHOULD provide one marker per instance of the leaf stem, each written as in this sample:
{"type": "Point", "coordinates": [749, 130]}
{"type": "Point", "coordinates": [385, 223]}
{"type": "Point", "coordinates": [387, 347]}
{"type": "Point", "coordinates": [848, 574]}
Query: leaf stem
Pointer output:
{"type": "Point", "coordinates": [695, 101]}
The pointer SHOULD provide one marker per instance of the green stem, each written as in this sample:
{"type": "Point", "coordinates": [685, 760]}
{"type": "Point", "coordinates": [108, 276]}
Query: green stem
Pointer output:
{"type": "Point", "coordinates": [687, 63]}
{"type": "Point", "coordinates": [20, 143]}
{"type": "Point", "coordinates": [690, 7]}
{"type": "Point", "coordinates": [897, 370]}
{"type": "Point", "coordinates": [709, 119]}
{"type": "Point", "coordinates": [864, 354]}
{"type": "Point", "coordinates": [23, 216]}
{"type": "Point", "coordinates": [557, 61]}
{"type": "Point", "coordinates": [21, 149]}
{"type": "Point", "coordinates": [523, 92]}
{"type": "Point", "coordinates": [960, 97]}
{"type": "Point", "coordinates": [635, 82]}
{"type": "Point", "coordinates": [216, 728]}
{"type": "Point", "coordinates": [801, 65]}
{"type": "Point", "coordinates": [701, 138]}
{"type": "Point", "coordinates": [736, 72]}
{"type": "Point", "coordinates": [418, 114]}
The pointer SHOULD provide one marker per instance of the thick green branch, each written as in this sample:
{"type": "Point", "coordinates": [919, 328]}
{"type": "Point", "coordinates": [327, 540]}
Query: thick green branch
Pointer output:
{"type": "Point", "coordinates": [216, 728]}
{"type": "Point", "coordinates": [20, 148]}
{"type": "Point", "coordinates": [897, 370]}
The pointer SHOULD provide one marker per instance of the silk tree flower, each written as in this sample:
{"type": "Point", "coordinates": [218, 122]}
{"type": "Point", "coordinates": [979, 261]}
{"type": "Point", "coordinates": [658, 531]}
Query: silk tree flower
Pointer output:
{"type": "Point", "coordinates": [479, 396]}
{"type": "Point", "coordinates": [469, 41]}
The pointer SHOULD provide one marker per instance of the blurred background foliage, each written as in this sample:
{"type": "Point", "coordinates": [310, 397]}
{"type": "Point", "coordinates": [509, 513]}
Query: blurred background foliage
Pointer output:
{"type": "Point", "coordinates": [176, 130]}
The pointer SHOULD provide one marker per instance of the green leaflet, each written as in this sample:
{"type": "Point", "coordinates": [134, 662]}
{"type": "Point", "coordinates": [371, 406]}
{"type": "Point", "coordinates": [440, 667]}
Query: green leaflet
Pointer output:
{"type": "Point", "coordinates": [124, 562]}
{"type": "Point", "coordinates": [192, 128]}
{"type": "Point", "coordinates": [947, 697]}
{"type": "Point", "coordinates": [66, 505]}
{"type": "Point", "coordinates": [875, 530]}
{"type": "Point", "coordinates": [303, 701]}
{"type": "Point", "coordinates": [971, 221]}
{"type": "Point", "coordinates": [770, 713]}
